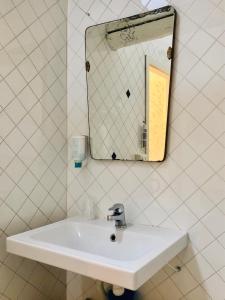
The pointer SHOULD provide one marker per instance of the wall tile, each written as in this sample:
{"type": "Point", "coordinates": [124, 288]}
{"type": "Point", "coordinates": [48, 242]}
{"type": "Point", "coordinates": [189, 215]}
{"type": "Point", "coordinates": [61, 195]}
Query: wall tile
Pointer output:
{"type": "Point", "coordinates": [183, 191]}
{"type": "Point", "coordinates": [26, 74]}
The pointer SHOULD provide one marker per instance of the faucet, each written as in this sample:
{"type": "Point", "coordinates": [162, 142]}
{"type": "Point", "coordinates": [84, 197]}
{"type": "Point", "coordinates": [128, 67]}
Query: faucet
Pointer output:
{"type": "Point", "coordinates": [118, 216]}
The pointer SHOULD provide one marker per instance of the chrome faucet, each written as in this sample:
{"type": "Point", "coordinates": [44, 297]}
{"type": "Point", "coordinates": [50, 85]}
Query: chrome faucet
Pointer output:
{"type": "Point", "coordinates": [118, 216]}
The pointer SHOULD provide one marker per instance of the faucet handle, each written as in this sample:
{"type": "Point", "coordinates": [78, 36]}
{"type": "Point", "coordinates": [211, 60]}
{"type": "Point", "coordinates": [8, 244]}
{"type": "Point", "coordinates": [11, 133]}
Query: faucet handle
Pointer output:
{"type": "Point", "coordinates": [118, 207]}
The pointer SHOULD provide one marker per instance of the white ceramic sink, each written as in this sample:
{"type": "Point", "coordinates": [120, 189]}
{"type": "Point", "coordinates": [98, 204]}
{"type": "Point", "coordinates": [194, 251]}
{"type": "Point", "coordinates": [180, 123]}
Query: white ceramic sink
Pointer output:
{"type": "Point", "coordinates": [85, 247]}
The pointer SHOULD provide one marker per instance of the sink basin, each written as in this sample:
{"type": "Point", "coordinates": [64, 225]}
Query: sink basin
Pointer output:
{"type": "Point", "coordinates": [84, 247]}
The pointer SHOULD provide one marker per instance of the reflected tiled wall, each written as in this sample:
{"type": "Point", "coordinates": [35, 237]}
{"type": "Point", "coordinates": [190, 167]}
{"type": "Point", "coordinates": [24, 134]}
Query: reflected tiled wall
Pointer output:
{"type": "Point", "coordinates": [117, 128]}
{"type": "Point", "coordinates": [186, 191]}
{"type": "Point", "coordinates": [33, 126]}
{"type": "Point", "coordinates": [112, 87]}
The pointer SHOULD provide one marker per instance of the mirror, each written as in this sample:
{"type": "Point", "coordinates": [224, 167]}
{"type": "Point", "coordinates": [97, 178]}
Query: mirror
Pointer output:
{"type": "Point", "coordinates": [128, 67]}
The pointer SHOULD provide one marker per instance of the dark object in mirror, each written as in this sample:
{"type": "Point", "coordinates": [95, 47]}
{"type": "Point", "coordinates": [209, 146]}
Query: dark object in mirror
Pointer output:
{"type": "Point", "coordinates": [129, 67]}
{"type": "Point", "coordinates": [128, 94]}
{"type": "Point", "coordinates": [113, 156]}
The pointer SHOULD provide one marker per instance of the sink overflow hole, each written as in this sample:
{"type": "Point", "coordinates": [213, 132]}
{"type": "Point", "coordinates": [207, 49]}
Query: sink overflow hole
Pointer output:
{"type": "Point", "coordinates": [113, 237]}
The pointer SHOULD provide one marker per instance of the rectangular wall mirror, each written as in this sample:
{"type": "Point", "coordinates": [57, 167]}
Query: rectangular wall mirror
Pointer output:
{"type": "Point", "coordinates": [129, 68]}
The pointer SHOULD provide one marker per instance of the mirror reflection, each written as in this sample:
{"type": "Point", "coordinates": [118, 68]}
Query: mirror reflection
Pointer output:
{"type": "Point", "coordinates": [128, 64]}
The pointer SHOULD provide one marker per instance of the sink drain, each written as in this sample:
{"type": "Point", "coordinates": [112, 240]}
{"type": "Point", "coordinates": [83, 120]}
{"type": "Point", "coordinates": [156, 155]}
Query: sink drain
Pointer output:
{"type": "Point", "coordinates": [113, 237]}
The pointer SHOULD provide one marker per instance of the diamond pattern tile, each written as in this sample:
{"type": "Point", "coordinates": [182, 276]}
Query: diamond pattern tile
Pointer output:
{"type": "Point", "coordinates": [187, 190]}
{"type": "Point", "coordinates": [27, 29]}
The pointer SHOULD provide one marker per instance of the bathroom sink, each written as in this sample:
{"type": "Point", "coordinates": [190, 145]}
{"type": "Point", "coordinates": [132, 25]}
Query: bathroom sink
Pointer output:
{"type": "Point", "coordinates": [87, 247]}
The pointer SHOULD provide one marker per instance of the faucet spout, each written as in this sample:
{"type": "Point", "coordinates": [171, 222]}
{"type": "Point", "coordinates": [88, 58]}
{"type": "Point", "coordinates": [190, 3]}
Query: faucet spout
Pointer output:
{"type": "Point", "coordinates": [118, 216]}
{"type": "Point", "coordinates": [110, 218]}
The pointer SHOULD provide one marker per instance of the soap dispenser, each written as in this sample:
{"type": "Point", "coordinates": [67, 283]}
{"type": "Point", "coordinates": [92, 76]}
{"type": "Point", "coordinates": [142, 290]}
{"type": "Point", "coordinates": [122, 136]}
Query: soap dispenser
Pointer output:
{"type": "Point", "coordinates": [79, 146]}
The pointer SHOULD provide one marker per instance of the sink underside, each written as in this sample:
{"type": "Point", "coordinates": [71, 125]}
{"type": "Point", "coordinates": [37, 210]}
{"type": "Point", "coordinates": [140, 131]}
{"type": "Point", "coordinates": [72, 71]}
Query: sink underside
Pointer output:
{"type": "Point", "coordinates": [85, 247]}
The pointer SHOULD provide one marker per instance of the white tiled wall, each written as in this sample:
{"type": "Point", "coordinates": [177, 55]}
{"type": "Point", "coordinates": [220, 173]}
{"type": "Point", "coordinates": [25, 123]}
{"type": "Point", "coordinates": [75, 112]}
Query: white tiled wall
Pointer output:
{"type": "Point", "coordinates": [33, 126]}
{"type": "Point", "coordinates": [186, 191]}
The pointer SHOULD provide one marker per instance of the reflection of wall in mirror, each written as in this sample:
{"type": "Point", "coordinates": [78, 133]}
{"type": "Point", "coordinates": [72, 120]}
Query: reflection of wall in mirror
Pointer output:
{"type": "Point", "coordinates": [116, 119]}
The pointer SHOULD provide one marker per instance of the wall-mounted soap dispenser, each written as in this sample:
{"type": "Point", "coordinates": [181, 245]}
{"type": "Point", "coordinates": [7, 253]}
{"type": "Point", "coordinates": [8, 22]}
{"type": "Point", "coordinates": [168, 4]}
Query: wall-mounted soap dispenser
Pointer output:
{"type": "Point", "coordinates": [79, 149]}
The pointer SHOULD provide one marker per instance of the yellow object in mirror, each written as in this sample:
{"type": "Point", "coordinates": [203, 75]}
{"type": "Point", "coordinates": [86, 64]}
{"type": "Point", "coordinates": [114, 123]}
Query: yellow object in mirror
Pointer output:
{"type": "Point", "coordinates": [157, 113]}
